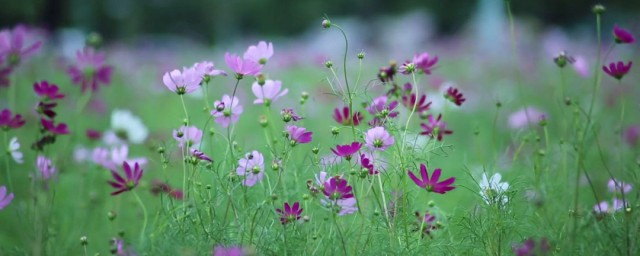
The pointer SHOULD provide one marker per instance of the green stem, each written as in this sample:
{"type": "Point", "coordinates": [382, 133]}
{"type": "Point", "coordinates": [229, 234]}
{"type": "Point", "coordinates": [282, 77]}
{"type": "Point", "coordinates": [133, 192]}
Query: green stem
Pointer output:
{"type": "Point", "coordinates": [346, 80]}
{"type": "Point", "coordinates": [514, 54]}
{"type": "Point", "coordinates": [7, 170]}
{"type": "Point", "coordinates": [144, 212]}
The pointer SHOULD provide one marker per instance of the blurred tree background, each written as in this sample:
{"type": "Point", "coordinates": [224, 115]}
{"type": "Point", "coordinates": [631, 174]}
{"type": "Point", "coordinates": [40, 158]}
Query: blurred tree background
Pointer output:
{"type": "Point", "coordinates": [214, 20]}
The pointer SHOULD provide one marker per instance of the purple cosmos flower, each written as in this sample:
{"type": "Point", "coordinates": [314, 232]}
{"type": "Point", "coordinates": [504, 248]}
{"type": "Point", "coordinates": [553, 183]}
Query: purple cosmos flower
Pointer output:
{"type": "Point", "coordinates": [336, 188]}
{"type": "Point", "coordinates": [603, 207]}
{"type": "Point", "coordinates": [131, 181]}
{"type": "Point", "coordinates": [342, 117]}
{"type": "Point", "coordinates": [346, 206]}
{"type": "Point", "coordinates": [4, 198]}
{"type": "Point", "coordinates": [289, 114]}
{"type": "Point", "coordinates": [190, 135]}
{"type": "Point", "coordinates": [618, 69]}
{"type": "Point", "coordinates": [618, 186]}
{"type": "Point", "coordinates": [426, 223]}
{"type": "Point", "coordinates": [206, 70]}
{"type": "Point", "coordinates": [407, 68]}
{"type": "Point", "coordinates": [380, 109]}
{"type": "Point", "coordinates": [267, 93]}
{"type": "Point", "coordinates": [228, 251]}
{"type": "Point", "coordinates": [252, 167]}
{"type": "Point", "coordinates": [120, 249]}
{"type": "Point", "coordinates": [386, 73]}
{"type": "Point", "coordinates": [200, 155]}
{"type": "Point", "coordinates": [242, 67]}
{"type": "Point", "coordinates": [225, 112]}
{"type": "Point", "coordinates": [622, 36]}
{"type": "Point", "coordinates": [259, 53]}
{"type": "Point", "coordinates": [632, 134]}
{"type": "Point", "coordinates": [8, 122]}
{"type": "Point", "coordinates": [347, 150]}
{"type": "Point", "coordinates": [528, 248]}
{"type": "Point", "coordinates": [13, 47]}
{"type": "Point", "coordinates": [454, 96]}
{"type": "Point", "coordinates": [435, 128]}
{"type": "Point", "coordinates": [45, 167]}
{"type": "Point", "coordinates": [93, 134]}
{"type": "Point", "coordinates": [378, 139]}
{"type": "Point", "coordinates": [289, 213]}
{"type": "Point", "coordinates": [367, 163]}
{"type": "Point", "coordinates": [525, 116]}
{"type": "Point", "coordinates": [90, 70]}
{"type": "Point", "coordinates": [421, 105]}
{"type": "Point", "coordinates": [158, 186]}
{"type": "Point", "coordinates": [424, 62]}
{"type": "Point", "coordinates": [47, 109]}
{"type": "Point", "coordinates": [47, 90]}
{"type": "Point", "coordinates": [299, 134]}
{"type": "Point", "coordinates": [432, 185]}
{"type": "Point", "coordinates": [59, 129]}
{"type": "Point", "coordinates": [183, 82]}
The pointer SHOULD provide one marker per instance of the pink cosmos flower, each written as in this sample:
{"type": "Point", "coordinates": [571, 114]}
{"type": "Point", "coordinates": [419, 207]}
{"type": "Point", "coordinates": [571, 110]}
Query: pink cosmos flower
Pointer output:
{"type": "Point", "coordinates": [367, 163]}
{"type": "Point", "coordinates": [622, 36]}
{"type": "Point", "coordinates": [227, 110]}
{"type": "Point", "coordinates": [380, 109]}
{"type": "Point", "coordinates": [618, 69]}
{"type": "Point", "coordinates": [432, 185]}
{"type": "Point", "coordinates": [47, 90]}
{"type": "Point", "coordinates": [200, 155]}
{"type": "Point", "coordinates": [343, 118]}
{"type": "Point", "coordinates": [603, 207]}
{"type": "Point", "coordinates": [123, 184]}
{"type": "Point", "coordinates": [7, 121]}
{"type": "Point", "coordinates": [4, 198]}
{"type": "Point", "coordinates": [581, 66]}
{"type": "Point", "coordinates": [289, 213]}
{"type": "Point", "coordinates": [252, 167]}
{"type": "Point", "coordinates": [190, 135]}
{"type": "Point", "coordinates": [347, 150]}
{"type": "Point", "coordinates": [268, 93]}
{"type": "Point", "coordinates": [45, 167]}
{"type": "Point", "coordinates": [228, 251]}
{"type": "Point", "coordinates": [242, 67]}
{"type": "Point", "coordinates": [206, 70]}
{"type": "Point", "coordinates": [336, 188]}
{"type": "Point", "coordinates": [424, 62]}
{"type": "Point", "coordinates": [183, 82]}
{"type": "Point", "coordinates": [435, 128]}
{"type": "Point", "coordinates": [13, 47]}
{"type": "Point", "coordinates": [90, 70]}
{"type": "Point", "coordinates": [420, 104]}
{"type": "Point", "coordinates": [616, 186]}
{"type": "Point", "coordinates": [632, 134]}
{"type": "Point", "coordinates": [378, 139]}
{"type": "Point", "coordinates": [111, 159]}
{"type": "Point", "coordinates": [299, 134]}
{"type": "Point", "coordinates": [59, 129]}
{"type": "Point", "coordinates": [289, 114]}
{"type": "Point", "coordinates": [454, 96]}
{"type": "Point", "coordinates": [523, 117]}
{"type": "Point", "coordinates": [260, 53]}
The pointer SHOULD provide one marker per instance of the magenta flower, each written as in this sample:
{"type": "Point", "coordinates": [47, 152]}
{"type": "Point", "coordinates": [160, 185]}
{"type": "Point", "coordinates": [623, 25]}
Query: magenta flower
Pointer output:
{"type": "Point", "coordinates": [200, 155]}
{"type": "Point", "coordinates": [242, 67]}
{"type": "Point", "coordinates": [336, 188]}
{"type": "Point", "coordinates": [454, 96]}
{"type": "Point", "coordinates": [190, 135]}
{"type": "Point", "coordinates": [299, 134]}
{"type": "Point", "coordinates": [59, 129]}
{"type": "Point", "coordinates": [289, 213]}
{"type": "Point", "coordinates": [424, 62]}
{"type": "Point", "coordinates": [618, 186]}
{"type": "Point", "coordinates": [289, 114]}
{"type": "Point", "coordinates": [4, 198]}
{"type": "Point", "coordinates": [380, 109]}
{"type": "Point", "coordinates": [421, 105]}
{"type": "Point", "coordinates": [228, 251]}
{"type": "Point", "coordinates": [252, 167]}
{"type": "Point", "coordinates": [45, 167]}
{"type": "Point", "coordinates": [435, 128]}
{"type": "Point", "coordinates": [90, 70]}
{"type": "Point", "coordinates": [618, 69]}
{"type": "Point", "coordinates": [622, 36]}
{"type": "Point", "coordinates": [367, 163]}
{"type": "Point", "coordinates": [632, 134]}
{"type": "Point", "coordinates": [529, 248]}
{"type": "Point", "coordinates": [225, 112]}
{"type": "Point", "coordinates": [7, 121]}
{"type": "Point", "coordinates": [432, 185]}
{"type": "Point", "coordinates": [46, 108]}
{"type": "Point", "coordinates": [268, 93]}
{"type": "Point", "coordinates": [259, 53]}
{"type": "Point", "coordinates": [386, 74]}
{"type": "Point", "coordinates": [183, 82]}
{"type": "Point", "coordinates": [378, 139]}
{"type": "Point", "coordinates": [93, 134]}
{"type": "Point", "coordinates": [342, 117]}
{"type": "Point", "coordinates": [347, 150]}
{"type": "Point", "coordinates": [13, 47]}
{"type": "Point", "coordinates": [47, 90]}
{"type": "Point", "coordinates": [131, 181]}
{"type": "Point", "coordinates": [407, 68]}
{"type": "Point", "coordinates": [206, 70]}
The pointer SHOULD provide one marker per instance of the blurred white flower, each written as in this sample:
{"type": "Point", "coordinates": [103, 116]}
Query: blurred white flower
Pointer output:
{"type": "Point", "coordinates": [14, 150]}
{"type": "Point", "coordinates": [492, 190]}
{"type": "Point", "coordinates": [125, 127]}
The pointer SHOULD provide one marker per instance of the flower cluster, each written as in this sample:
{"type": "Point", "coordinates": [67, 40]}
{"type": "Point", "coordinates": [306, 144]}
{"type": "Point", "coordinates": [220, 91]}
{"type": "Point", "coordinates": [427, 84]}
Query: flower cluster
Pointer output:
{"type": "Point", "coordinates": [16, 46]}
{"type": "Point", "coordinates": [48, 94]}
{"type": "Point", "coordinates": [90, 70]}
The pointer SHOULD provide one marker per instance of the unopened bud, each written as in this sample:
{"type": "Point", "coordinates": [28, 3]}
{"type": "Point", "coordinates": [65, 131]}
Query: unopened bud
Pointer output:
{"type": "Point", "coordinates": [335, 130]}
{"type": "Point", "coordinates": [315, 150]}
{"type": "Point", "coordinates": [328, 64]}
{"type": "Point", "coordinates": [361, 55]}
{"type": "Point", "coordinates": [261, 79]}
{"type": "Point", "coordinates": [84, 241]}
{"type": "Point", "coordinates": [161, 150]}
{"type": "Point", "coordinates": [112, 215]}
{"type": "Point", "coordinates": [598, 9]}
{"type": "Point", "coordinates": [326, 23]}
{"type": "Point", "coordinates": [264, 122]}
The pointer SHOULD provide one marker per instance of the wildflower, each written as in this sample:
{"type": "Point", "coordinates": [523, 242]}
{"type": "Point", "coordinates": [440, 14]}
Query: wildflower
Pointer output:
{"type": "Point", "coordinates": [581, 66]}
{"type": "Point", "coordinates": [183, 82]}
{"type": "Point", "coordinates": [618, 69]}
{"type": "Point", "coordinates": [563, 58]}
{"type": "Point", "coordinates": [200, 155]}
{"type": "Point", "coordinates": [259, 53]}
{"type": "Point", "coordinates": [188, 135]}
{"type": "Point", "coordinates": [268, 92]}
{"type": "Point", "coordinates": [492, 190]}
{"type": "Point", "coordinates": [120, 250]}
{"type": "Point", "coordinates": [227, 110]}
{"type": "Point", "coordinates": [289, 115]}
{"type": "Point", "coordinates": [432, 185]}
{"type": "Point", "coordinates": [378, 139]}
{"type": "Point", "coordinates": [435, 128]}
{"type": "Point", "coordinates": [59, 129]}
{"type": "Point", "coordinates": [386, 74]}
{"type": "Point", "coordinates": [425, 223]}
{"type": "Point", "coordinates": [242, 67]}
{"type": "Point", "coordinates": [4, 198]}
{"type": "Point", "coordinates": [632, 134]}
{"type": "Point", "coordinates": [528, 248]}
{"type": "Point", "coordinates": [603, 207]}
{"type": "Point", "coordinates": [252, 167]}
{"type": "Point", "coordinates": [618, 186]}
{"type": "Point", "coordinates": [131, 181]}
{"type": "Point", "coordinates": [93, 134]}
{"type": "Point", "coordinates": [622, 36]}
{"type": "Point", "coordinates": [90, 70]}
{"type": "Point", "coordinates": [367, 163]}
{"type": "Point", "coordinates": [228, 251]}
{"type": "Point", "coordinates": [420, 105]}
{"type": "Point", "coordinates": [338, 193]}
{"type": "Point", "coordinates": [407, 68]}
{"type": "Point", "coordinates": [424, 63]}
{"type": "Point", "coordinates": [337, 188]}
{"type": "Point", "coordinates": [14, 150]}
{"type": "Point", "coordinates": [125, 126]}
{"type": "Point", "coordinates": [454, 96]}
{"type": "Point", "coordinates": [347, 150]}
{"type": "Point", "coordinates": [346, 206]}
{"type": "Point", "coordinates": [158, 187]}
{"type": "Point", "coordinates": [380, 109]}
{"type": "Point", "coordinates": [47, 90]}
{"type": "Point", "coordinates": [116, 156]}
{"type": "Point", "coordinates": [344, 119]}
{"type": "Point", "coordinates": [299, 134]}
{"type": "Point", "coordinates": [8, 122]}
{"type": "Point", "coordinates": [12, 45]}
{"type": "Point", "coordinates": [45, 167]}
{"type": "Point", "coordinates": [206, 70]}
{"type": "Point", "coordinates": [525, 116]}
{"type": "Point", "coordinates": [290, 213]}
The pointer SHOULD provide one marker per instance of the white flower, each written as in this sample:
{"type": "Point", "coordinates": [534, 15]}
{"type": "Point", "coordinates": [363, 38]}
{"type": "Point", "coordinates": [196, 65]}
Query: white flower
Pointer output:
{"type": "Point", "coordinates": [14, 147]}
{"type": "Point", "coordinates": [126, 127]}
{"type": "Point", "coordinates": [492, 190]}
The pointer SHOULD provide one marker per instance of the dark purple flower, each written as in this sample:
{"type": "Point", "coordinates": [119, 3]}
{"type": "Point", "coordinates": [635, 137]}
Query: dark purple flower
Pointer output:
{"type": "Point", "coordinates": [45, 89]}
{"type": "Point", "coordinates": [432, 185]}
{"type": "Point", "coordinates": [289, 114]}
{"type": "Point", "coordinates": [337, 188]}
{"type": "Point", "coordinates": [200, 155]}
{"type": "Point", "coordinates": [347, 150]}
{"type": "Point", "coordinates": [55, 129]}
{"type": "Point", "coordinates": [386, 73]}
{"type": "Point", "coordinates": [454, 96]}
{"type": "Point", "coordinates": [380, 109]}
{"type": "Point", "coordinates": [421, 105]}
{"type": "Point", "coordinates": [13, 47]}
{"type": "Point", "coordinates": [4, 75]}
{"type": "Point", "coordinates": [424, 62]}
{"type": "Point", "coordinates": [343, 117]}
{"type": "Point", "coordinates": [290, 213]}
{"type": "Point", "coordinates": [622, 36]}
{"type": "Point", "coordinates": [435, 128]}
{"type": "Point", "coordinates": [47, 109]}
{"type": "Point", "coordinates": [299, 134]}
{"type": "Point", "coordinates": [90, 70]}
{"type": "Point", "coordinates": [7, 121]}
{"type": "Point", "coordinates": [131, 181]}
{"type": "Point", "coordinates": [228, 251]}
{"type": "Point", "coordinates": [93, 134]}
{"type": "Point", "coordinates": [618, 69]}
{"type": "Point", "coordinates": [367, 163]}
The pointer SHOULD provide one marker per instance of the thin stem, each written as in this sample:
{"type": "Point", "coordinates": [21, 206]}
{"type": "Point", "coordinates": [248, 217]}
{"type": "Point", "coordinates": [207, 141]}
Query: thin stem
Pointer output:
{"type": "Point", "coordinates": [514, 54]}
{"type": "Point", "coordinates": [144, 212]}
{"type": "Point", "coordinates": [7, 170]}
{"type": "Point", "coordinates": [335, 221]}
{"type": "Point", "coordinates": [346, 79]}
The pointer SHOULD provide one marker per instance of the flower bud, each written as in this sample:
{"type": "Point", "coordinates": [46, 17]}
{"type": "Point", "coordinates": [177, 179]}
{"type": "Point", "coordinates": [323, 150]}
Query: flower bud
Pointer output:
{"type": "Point", "coordinates": [185, 121]}
{"type": "Point", "coordinates": [264, 122]}
{"type": "Point", "coordinates": [94, 40]}
{"type": "Point", "coordinates": [431, 203]}
{"type": "Point", "coordinates": [361, 55]}
{"type": "Point", "coordinates": [161, 150]}
{"type": "Point", "coordinates": [306, 197]}
{"type": "Point", "coordinates": [179, 134]}
{"type": "Point", "coordinates": [84, 241]}
{"type": "Point", "coordinates": [315, 150]}
{"type": "Point", "coordinates": [275, 166]}
{"type": "Point", "coordinates": [112, 215]}
{"type": "Point", "coordinates": [335, 130]}
{"type": "Point", "coordinates": [274, 197]}
{"type": "Point", "coordinates": [305, 95]}
{"type": "Point", "coordinates": [598, 9]}
{"type": "Point", "coordinates": [328, 64]}
{"type": "Point", "coordinates": [306, 218]}
{"type": "Point", "coordinates": [326, 23]}
{"type": "Point", "coordinates": [261, 79]}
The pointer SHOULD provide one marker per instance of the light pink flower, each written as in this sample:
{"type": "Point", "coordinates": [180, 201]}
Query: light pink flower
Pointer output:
{"type": "Point", "coordinates": [227, 110]}
{"type": "Point", "coordinates": [523, 117]}
{"type": "Point", "coordinates": [259, 53]}
{"type": "Point", "coordinates": [242, 67]}
{"type": "Point", "coordinates": [183, 82]}
{"type": "Point", "coordinates": [616, 186]}
{"type": "Point", "coordinates": [252, 167]}
{"type": "Point", "coordinates": [90, 70]}
{"type": "Point", "coordinates": [207, 70]}
{"type": "Point", "coordinates": [45, 167]}
{"type": "Point", "coordinates": [13, 47]}
{"type": "Point", "coordinates": [378, 138]}
{"type": "Point", "coordinates": [190, 135]}
{"type": "Point", "coordinates": [268, 93]}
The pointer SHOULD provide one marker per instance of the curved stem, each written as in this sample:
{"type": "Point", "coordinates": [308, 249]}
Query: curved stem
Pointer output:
{"type": "Point", "coordinates": [346, 80]}
{"type": "Point", "coordinates": [144, 212]}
